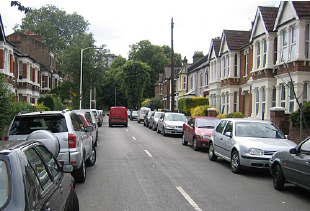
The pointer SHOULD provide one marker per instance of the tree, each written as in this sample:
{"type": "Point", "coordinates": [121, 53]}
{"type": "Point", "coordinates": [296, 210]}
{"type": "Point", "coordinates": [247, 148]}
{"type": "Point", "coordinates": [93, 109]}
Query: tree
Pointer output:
{"type": "Point", "coordinates": [4, 103]}
{"type": "Point", "coordinates": [57, 27]}
{"type": "Point", "coordinates": [177, 56]}
{"type": "Point", "coordinates": [21, 7]}
{"type": "Point", "coordinates": [135, 76]}
{"type": "Point", "coordinates": [155, 103]}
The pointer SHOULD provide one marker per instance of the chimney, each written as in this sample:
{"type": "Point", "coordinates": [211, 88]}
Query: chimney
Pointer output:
{"type": "Point", "coordinates": [197, 56]}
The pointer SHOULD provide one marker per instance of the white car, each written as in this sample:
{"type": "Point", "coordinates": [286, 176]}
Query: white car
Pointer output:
{"type": "Point", "coordinates": [141, 113]}
{"type": "Point", "coordinates": [171, 123]}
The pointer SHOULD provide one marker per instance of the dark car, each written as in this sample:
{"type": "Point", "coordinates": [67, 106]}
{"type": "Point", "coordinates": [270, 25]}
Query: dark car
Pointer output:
{"type": "Point", "coordinates": [147, 116]}
{"type": "Point", "coordinates": [292, 166]}
{"type": "Point", "coordinates": [32, 179]}
{"type": "Point", "coordinates": [197, 131]}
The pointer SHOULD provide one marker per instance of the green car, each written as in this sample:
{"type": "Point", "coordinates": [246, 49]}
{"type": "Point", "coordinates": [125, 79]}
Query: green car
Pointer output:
{"type": "Point", "coordinates": [292, 166]}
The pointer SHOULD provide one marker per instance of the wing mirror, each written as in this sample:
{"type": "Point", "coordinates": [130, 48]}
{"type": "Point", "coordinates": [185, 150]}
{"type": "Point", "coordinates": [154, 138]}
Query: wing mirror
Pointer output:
{"type": "Point", "coordinates": [228, 134]}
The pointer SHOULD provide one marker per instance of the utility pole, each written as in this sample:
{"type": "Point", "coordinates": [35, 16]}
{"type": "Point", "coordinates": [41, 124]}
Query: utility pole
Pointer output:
{"type": "Point", "coordinates": [172, 68]}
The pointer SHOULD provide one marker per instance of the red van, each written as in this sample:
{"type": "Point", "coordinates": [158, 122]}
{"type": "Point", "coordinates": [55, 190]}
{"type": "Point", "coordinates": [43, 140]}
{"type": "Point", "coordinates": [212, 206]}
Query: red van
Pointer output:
{"type": "Point", "coordinates": [118, 116]}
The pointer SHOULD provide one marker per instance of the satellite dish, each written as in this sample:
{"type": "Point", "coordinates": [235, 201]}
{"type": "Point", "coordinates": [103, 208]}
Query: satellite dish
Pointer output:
{"type": "Point", "coordinates": [47, 138]}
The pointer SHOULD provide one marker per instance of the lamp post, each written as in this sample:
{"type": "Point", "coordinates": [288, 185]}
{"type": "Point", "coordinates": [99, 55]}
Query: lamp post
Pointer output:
{"type": "Point", "coordinates": [82, 49]}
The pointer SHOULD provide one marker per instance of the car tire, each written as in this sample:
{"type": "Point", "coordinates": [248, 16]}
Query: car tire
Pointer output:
{"type": "Point", "coordinates": [92, 159]}
{"type": "Point", "coordinates": [153, 127]}
{"type": "Point", "coordinates": [278, 177]}
{"type": "Point", "coordinates": [163, 131]}
{"type": "Point", "coordinates": [126, 124]}
{"type": "Point", "coordinates": [212, 155]}
{"type": "Point", "coordinates": [80, 173]}
{"type": "Point", "coordinates": [235, 162]}
{"type": "Point", "coordinates": [183, 140]}
{"type": "Point", "coordinates": [158, 131]}
{"type": "Point", "coordinates": [195, 144]}
{"type": "Point", "coordinates": [73, 204]}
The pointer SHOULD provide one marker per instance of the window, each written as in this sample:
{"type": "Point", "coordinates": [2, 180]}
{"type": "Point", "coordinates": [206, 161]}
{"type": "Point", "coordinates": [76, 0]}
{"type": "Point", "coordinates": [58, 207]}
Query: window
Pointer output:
{"type": "Point", "coordinates": [200, 78]}
{"type": "Point", "coordinates": [282, 99]}
{"type": "Point", "coordinates": [274, 94]}
{"type": "Point", "coordinates": [43, 82]}
{"type": "Point", "coordinates": [20, 70]}
{"type": "Point", "coordinates": [263, 100]}
{"type": "Point", "coordinates": [228, 64]}
{"type": "Point", "coordinates": [258, 55]}
{"type": "Point", "coordinates": [284, 46]}
{"type": "Point", "coordinates": [275, 50]}
{"type": "Point", "coordinates": [223, 104]}
{"type": "Point", "coordinates": [293, 42]}
{"type": "Point", "coordinates": [77, 123]}
{"type": "Point", "coordinates": [291, 97]}
{"type": "Point", "coordinates": [39, 168]}
{"type": "Point", "coordinates": [235, 101]}
{"type": "Point", "coordinates": [227, 103]}
{"type": "Point", "coordinates": [50, 160]}
{"type": "Point", "coordinates": [246, 64]}
{"type": "Point", "coordinates": [192, 82]}
{"type": "Point", "coordinates": [221, 126]}
{"type": "Point", "coordinates": [257, 101]}
{"type": "Point", "coordinates": [224, 67]}
{"type": "Point", "coordinates": [305, 93]}
{"type": "Point", "coordinates": [184, 83]}
{"type": "Point", "coordinates": [307, 42]}
{"type": "Point", "coordinates": [264, 53]}
{"type": "Point", "coordinates": [236, 65]}
{"type": "Point", "coordinates": [229, 127]}
{"type": "Point", "coordinates": [207, 77]}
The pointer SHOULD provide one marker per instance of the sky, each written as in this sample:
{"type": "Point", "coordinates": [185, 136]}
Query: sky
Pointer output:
{"type": "Point", "coordinates": [121, 23]}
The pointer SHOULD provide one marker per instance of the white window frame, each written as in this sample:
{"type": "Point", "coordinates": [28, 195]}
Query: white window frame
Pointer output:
{"type": "Point", "coordinates": [236, 65]}
{"type": "Point", "coordinates": [264, 52]}
{"type": "Point", "coordinates": [263, 93]}
{"type": "Point", "coordinates": [307, 41]}
{"type": "Point", "coordinates": [228, 65]}
{"type": "Point", "coordinates": [291, 97]}
{"type": "Point", "coordinates": [284, 45]}
{"type": "Point", "coordinates": [258, 59]}
{"type": "Point", "coordinates": [43, 81]}
{"type": "Point", "coordinates": [207, 77]}
{"type": "Point", "coordinates": [282, 95]}
{"type": "Point", "coordinates": [293, 42]}
{"type": "Point", "coordinates": [274, 97]}
{"type": "Point", "coordinates": [256, 101]}
{"type": "Point", "coordinates": [20, 70]}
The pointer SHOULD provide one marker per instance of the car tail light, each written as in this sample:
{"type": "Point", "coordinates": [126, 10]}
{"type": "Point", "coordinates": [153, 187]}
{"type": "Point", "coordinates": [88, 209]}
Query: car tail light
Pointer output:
{"type": "Point", "coordinates": [6, 139]}
{"type": "Point", "coordinates": [72, 140]}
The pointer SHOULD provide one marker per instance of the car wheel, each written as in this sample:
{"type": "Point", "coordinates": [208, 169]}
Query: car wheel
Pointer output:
{"type": "Point", "coordinates": [195, 144]}
{"type": "Point", "coordinates": [183, 140]}
{"type": "Point", "coordinates": [92, 159]}
{"type": "Point", "coordinates": [235, 162]}
{"type": "Point", "coordinates": [163, 131]}
{"type": "Point", "coordinates": [158, 131]}
{"type": "Point", "coordinates": [153, 127]}
{"type": "Point", "coordinates": [80, 173]}
{"type": "Point", "coordinates": [212, 155]}
{"type": "Point", "coordinates": [143, 123]}
{"type": "Point", "coordinates": [95, 144]}
{"type": "Point", "coordinates": [278, 178]}
{"type": "Point", "coordinates": [74, 201]}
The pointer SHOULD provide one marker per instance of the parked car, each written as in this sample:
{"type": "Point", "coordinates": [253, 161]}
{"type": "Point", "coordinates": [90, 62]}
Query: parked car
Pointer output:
{"type": "Point", "coordinates": [118, 116]}
{"type": "Point", "coordinates": [76, 147]}
{"type": "Point", "coordinates": [292, 166]}
{"type": "Point", "coordinates": [141, 113]}
{"type": "Point", "coordinates": [98, 117]}
{"type": "Point", "coordinates": [134, 115]}
{"type": "Point", "coordinates": [171, 123]}
{"type": "Point", "coordinates": [197, 131]}
{"type": "Point", "coordinates": [247, 143]}
{"type": "Point", "coordinates": [154, 120]}
{"type": "Point", "coordinates": [128, 113]}
{"type": "Point", "coordinates": [32, 179]}
{"type": "Point", "coordinates": [86, 117]}
{"type": "Point", "coordinates": [146, 120]}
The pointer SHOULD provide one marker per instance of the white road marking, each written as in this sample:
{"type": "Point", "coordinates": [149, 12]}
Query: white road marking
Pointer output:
{"type": "Point", "coordinates": [134, 138]}
{"type": "Point", "coordinates": [188, 198]}
{"type": "Point", "coordinates": [126, 130]}
{"type": "Point", "coordinates": [148, 153]}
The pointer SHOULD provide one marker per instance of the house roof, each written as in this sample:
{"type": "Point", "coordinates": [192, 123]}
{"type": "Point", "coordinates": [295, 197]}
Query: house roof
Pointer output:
{"type": "Point", "coordinates": [198, 63]}
{"type": "Point", "coordinates": [302, 8]}
{"type": "Point", "coordinates": [215, 46]}
{"type": "Point", "coordinates": [236, 39]}
{"type": "Point", "coordinates": [269, 15]}
{"type": "Point", "coordinates": [2, 34]}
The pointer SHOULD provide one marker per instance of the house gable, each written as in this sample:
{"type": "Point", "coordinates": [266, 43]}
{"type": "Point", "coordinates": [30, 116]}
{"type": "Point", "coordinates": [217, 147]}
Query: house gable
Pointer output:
{"type": "Point", "coordinates": [286, 14]}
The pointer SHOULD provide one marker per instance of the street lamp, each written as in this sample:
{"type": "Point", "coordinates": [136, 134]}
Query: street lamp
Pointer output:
{"type": "Point", "coordinates": [82, 49]}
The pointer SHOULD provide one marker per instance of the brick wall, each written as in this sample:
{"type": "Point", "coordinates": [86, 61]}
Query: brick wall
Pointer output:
{"type": "Point", "coordinates": [280, 119]}
{"type": "Point", "coordinates": [295, 134]}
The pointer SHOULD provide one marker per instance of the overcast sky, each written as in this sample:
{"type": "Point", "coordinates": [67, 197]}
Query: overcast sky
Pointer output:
{"type": "Point", "coordinates": [120, 23]}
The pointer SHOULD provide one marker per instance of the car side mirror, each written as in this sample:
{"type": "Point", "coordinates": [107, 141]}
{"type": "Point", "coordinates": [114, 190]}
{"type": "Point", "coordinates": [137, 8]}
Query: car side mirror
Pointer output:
{"type": "Point", "coordinates": [192, 125]}
{"type": "Point", "coordinates": [228, 134]}
{"type": "Point", "coordinates": [287, 136]}
{"type": "Point", "coordinates": [293, 151]}
{"type": "Point", "coordinates": [67, 168]}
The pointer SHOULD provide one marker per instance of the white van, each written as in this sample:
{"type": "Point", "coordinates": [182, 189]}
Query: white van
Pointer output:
{"type": "Point", "coordinates": [141, 113]}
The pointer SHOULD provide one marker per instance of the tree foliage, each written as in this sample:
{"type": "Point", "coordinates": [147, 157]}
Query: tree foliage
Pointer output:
{"type": "Point", "coordinates": [135, 76]}
{"type": "Point", "coordinates": [177, 57]}
{"type": "Point", "coordinates": [57, 27]}
{"type": "Point", "coordinates": [21, 7]}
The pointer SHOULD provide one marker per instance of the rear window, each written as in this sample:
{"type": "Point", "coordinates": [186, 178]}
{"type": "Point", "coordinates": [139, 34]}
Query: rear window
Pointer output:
{"type": "Point", "coordinates": [4, 184]}
{"type": "Point", "coordinates": [23, 125]}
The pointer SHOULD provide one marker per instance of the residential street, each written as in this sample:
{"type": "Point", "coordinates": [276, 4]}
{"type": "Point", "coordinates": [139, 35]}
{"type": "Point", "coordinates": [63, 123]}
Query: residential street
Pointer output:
{"type": "Point", "coordinates": [139, 169]}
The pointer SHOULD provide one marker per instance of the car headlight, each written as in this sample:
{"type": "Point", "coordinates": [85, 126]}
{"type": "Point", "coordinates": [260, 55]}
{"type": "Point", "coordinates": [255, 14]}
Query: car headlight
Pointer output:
{"type": "Point", "coordinates": [205, 137]}
{"type": "Point", "coordinates": [170, 126]}
{"type": "Point", "coordinates": [254, 151]}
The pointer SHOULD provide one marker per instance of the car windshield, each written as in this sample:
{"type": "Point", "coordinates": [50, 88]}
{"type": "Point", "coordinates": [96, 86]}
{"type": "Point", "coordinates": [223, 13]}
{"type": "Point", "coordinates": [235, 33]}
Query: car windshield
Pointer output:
{"type": "Point", "coordinates": [157, 115]}
{"type": "Point", "coordinates": [258, 130]}
{"type": "Point", "coordinates": [23, 125]}
{"type": "Point", "coordinates": [209, 123]}
{"type": "Point", "coordinates": [4, 185]}
{"type": "Point", "coordinates": [175, 117]}
{"type": "Point", "coordinates": [135, 112]}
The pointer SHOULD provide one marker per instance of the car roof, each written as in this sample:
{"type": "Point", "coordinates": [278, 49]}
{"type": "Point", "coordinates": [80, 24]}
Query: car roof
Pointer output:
{"type": "Point", "coordinates": [205, 117]}
{"type": "Point", "coordinates": [174, 113]}
{"type": "Point", "coordinates": [9, 145]}
{"type": "Point", "coordinates": [42, 113]}
{"type": "Point", "coordinates": [247, 120]}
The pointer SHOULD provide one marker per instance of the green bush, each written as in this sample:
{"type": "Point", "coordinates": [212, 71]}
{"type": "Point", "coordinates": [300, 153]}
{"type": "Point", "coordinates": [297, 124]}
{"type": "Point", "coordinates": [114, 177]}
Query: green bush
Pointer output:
{"type": "Point", "coordinates": [201, 110]}
{"type": "Point", "coordinates": [181, 105]}
{"type": "Point", "coordinates": [231, 115]}
{"type": "Point", "coordinates": [52, 102]}
{"type": "Point", "coordinates": [193, 102]}
{"type": "Point", "coordinates": [295, 116]}
{"type": "Point", "coordinates": [42, 107]}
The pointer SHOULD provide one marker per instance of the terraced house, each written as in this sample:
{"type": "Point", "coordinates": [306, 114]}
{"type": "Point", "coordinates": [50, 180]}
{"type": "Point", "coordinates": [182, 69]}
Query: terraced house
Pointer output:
{"type": "Point", "coordinates": [252, 71]}
{"type": "Point", "coordinates": [28, 64]}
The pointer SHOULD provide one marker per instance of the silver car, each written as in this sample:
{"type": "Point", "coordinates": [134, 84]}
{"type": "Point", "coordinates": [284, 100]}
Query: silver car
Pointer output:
{"type": "Point", "coordinates": [247, 143]}
{"type": "Point", "coordinates": [154, 120]}
{"type": "Point", "coordinates": [171, 123]}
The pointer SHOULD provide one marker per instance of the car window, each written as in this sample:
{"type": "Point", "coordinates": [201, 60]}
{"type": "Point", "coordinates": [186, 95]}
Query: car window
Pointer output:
{"type": "Point", "coordinates": [305, 147]}
{"type": "Point", "coordinates": [88, 118]}
{"type": "Point", "coordinates": [229, 127]}
{"type": "Point", "coordinates": [209, 123]}
{"type": "Point", "coordinates": [4, 183]}
{"type": "Point", "coordinates": [39, 168]}
{"type": "Point", "coordinates": [25, 125]}
{"type": "Point", "coordinates": [50, 161]}
{"type": "Point", "coordinates": [157, 115]}
{"type": "Point", "coordinates": [192, 122]}
{"type": "Point", "coordinates": [221, 126]}
{"type": "Point", "coordinates": [258, 130]}
{"type": "Point", "coordinates": [76, 123]}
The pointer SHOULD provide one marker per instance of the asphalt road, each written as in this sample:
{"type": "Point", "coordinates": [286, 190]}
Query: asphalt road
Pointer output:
{"type": "Point", "coordinates": [139, 169]}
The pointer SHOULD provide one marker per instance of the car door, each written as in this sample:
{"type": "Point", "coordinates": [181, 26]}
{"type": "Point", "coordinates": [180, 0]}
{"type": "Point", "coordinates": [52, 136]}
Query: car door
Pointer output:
{"type": "Point", "coordinates": [227, 141]}
{"type": "Point", "coordinates": [57, 175]}
{"type": "Point", "coordinates": [160, 122]}
{"type": "Point", "coordinates": [217, 136]}
{"type": "Point", "coordinates": [298, 165]}
{"type": "Point", "coordinates": [190, 130]}
{"type": "Point", "coordinates": [50, 195]}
